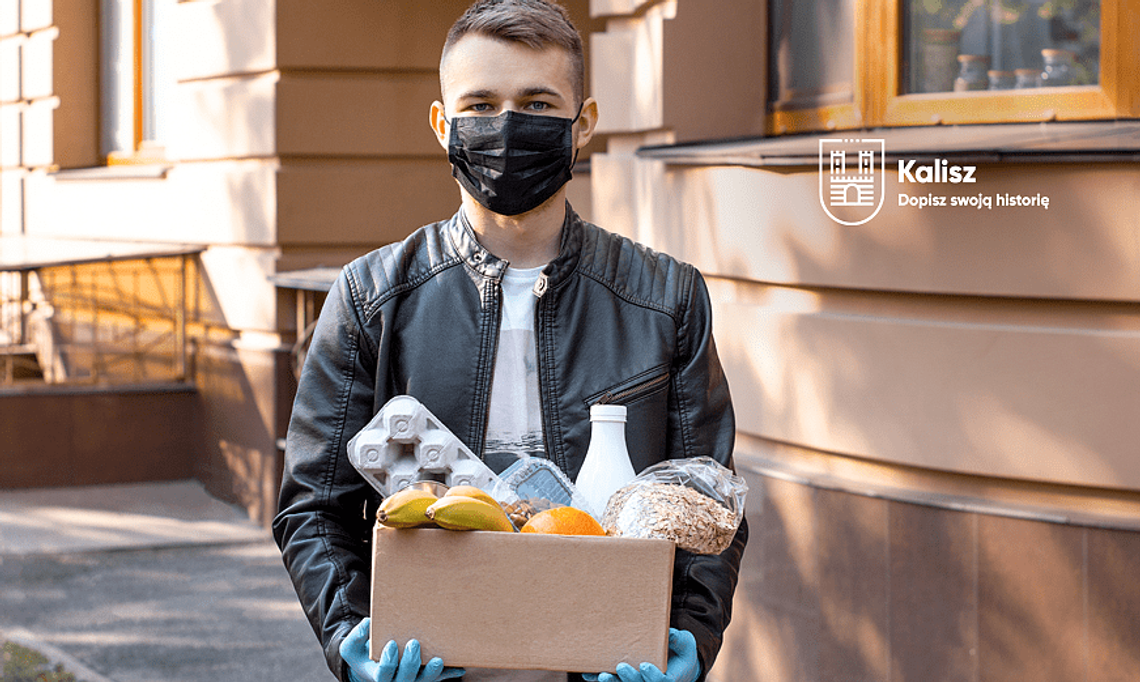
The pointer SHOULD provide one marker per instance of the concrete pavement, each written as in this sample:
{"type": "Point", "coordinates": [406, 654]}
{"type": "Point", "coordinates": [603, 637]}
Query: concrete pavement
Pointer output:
{"type": "Point", "coordinates": [149, 583]}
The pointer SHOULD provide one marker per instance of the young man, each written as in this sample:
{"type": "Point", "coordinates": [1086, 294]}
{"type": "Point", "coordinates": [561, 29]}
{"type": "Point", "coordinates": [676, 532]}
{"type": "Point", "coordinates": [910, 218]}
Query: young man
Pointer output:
{"type": "Point", "coordinates": [506, 321]}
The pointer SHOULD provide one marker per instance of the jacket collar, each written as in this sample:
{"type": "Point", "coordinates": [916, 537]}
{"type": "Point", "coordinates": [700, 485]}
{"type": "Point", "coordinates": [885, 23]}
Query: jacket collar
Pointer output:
{"type": "Point", "coordinates": [486, 263]}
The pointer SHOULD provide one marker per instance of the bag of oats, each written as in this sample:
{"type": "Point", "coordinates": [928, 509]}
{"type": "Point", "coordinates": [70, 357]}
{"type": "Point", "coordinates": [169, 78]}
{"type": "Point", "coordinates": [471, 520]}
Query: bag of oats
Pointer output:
{"type": "Point", "coordinates": [697, 503]}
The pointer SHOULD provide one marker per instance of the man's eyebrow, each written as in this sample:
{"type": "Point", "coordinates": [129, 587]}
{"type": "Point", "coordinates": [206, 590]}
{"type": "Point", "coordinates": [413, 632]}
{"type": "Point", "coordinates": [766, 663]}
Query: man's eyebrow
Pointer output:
{"type": "Point", "coordinates": [526, 92]}
{"type": "Point", "coordinates": [477, 94]}
{"type": "Point", "coordinates": [540, 90]}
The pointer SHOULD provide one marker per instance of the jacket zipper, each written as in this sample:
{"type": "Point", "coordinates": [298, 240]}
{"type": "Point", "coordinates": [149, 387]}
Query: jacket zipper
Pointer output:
{"type": "Point", "coordinates": [541, 285]}
{"type": "Point", "coordinates": [646, 386]}
{"type": "Point", "coordinates": [485, 392]}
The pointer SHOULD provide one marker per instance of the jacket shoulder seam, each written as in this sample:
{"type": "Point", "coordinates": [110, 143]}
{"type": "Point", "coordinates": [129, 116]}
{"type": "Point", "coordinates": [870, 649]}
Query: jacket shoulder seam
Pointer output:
{"type": "Point", "coordinates": [626, 296]}
{"type": "Point", "coordinates": [373, 306]}
{"type": "Point", "coordinates": [646, 255]}
{"type": "Point", "coordinates": [685, 349]}
{"type": "Point", "coordinates": [356, 292]}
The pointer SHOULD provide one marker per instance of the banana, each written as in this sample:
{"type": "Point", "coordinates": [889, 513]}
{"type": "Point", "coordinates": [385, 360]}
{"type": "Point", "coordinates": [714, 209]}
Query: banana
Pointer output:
{"type": "Point", "coordinates": [471, 491]}
{"type": "Point", "coordinates": [457, 512]}
{"type": "Point", "coordinates": [405, 509]}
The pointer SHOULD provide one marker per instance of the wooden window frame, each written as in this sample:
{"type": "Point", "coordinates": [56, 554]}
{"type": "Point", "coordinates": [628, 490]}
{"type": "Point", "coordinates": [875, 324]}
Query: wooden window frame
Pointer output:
{"type": "Point", "coordinates": [143, 149]}
{"type": "Point", "coordinates": [139, 76]}
{"type": "Point", "coordinates": [880, 102]}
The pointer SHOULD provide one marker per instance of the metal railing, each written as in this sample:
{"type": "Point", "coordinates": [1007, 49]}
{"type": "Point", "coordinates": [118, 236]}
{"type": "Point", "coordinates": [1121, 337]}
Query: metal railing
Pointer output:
{"type": "Point", "coordinates": [111, 320]}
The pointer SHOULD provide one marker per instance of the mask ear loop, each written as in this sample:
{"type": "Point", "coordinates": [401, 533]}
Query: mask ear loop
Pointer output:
{"type": "Point", "coordinates": [450, 129]}
{"type": "Point", "coordinates": [572, 122]}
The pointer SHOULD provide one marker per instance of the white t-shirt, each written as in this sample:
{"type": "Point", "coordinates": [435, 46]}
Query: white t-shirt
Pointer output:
{"type": "Point", "coordinates": [514, 425]}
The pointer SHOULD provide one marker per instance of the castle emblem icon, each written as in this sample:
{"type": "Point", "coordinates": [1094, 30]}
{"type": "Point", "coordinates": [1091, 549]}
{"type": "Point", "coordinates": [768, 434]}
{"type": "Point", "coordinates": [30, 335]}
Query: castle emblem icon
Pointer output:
{"type": "Point", "coordinates": [852, 178]}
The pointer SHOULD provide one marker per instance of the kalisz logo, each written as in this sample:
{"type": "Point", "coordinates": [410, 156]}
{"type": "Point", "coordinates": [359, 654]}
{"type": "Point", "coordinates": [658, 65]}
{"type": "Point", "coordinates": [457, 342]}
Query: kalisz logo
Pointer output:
{"type": "Point", "coordinates": [852, 178]}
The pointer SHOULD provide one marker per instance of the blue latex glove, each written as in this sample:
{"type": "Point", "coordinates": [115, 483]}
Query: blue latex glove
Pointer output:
{"type": "Point", "coordinates": [683, 665]}
{"type": "Point", "coordinates": [354, 651]}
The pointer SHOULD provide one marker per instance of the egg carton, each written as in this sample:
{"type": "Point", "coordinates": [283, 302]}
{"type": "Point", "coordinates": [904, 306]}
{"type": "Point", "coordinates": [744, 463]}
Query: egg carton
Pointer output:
{"type": "Point", "coordinates": [405, 443]}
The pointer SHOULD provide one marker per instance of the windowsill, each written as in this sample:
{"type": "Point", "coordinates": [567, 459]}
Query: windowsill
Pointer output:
{"type": "Point", "coordinates": [1077, 142]}
{"type": "Point", "coordinates": [152, 171]}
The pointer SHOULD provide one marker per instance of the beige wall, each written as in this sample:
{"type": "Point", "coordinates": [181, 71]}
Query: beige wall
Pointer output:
{"type": "Point", "coordinates": [75, 74]}
{"type": "Point", "coordinates": [360, 166]}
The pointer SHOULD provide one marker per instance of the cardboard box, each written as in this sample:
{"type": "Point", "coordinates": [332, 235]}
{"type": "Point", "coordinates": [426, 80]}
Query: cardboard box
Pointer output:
{"type": "Point", "coordinates": [524, 601]}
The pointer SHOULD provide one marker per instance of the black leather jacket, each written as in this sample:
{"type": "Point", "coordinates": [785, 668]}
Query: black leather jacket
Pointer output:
{"type": "Point", "coordinates": [421, 317]}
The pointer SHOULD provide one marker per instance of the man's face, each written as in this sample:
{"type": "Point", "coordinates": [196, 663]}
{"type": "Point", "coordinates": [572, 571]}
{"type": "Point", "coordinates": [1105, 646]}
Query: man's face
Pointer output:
{"type": "Point", "coordinates": [483, 76]}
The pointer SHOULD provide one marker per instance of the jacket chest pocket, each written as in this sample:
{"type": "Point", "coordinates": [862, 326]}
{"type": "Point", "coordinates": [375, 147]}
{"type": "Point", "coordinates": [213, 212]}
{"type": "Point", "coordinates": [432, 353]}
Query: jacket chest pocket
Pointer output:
{"type": "Point", "coordinates": [633, 389]}
{"type": "Point", "coordinates": [646, 398]}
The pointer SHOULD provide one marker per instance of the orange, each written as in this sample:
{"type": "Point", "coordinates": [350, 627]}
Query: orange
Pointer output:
{"type": "Point", "coordinates": [563, 521]}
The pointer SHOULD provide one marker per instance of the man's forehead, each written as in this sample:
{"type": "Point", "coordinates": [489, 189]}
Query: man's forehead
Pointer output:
{"type": "Point", "coordinates": [493, 67]}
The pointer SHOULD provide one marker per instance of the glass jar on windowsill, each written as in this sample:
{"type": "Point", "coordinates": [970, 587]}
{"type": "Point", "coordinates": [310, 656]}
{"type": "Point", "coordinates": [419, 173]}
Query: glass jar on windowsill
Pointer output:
{"type": "Point", "coordinates": [1002, 80]}
{"type": "Point", "coordinates": [1026, 78]}
{"type": "Point", "coordinates": [1059, 69]}
{"type": "Point", "coordinates": [972, 75]}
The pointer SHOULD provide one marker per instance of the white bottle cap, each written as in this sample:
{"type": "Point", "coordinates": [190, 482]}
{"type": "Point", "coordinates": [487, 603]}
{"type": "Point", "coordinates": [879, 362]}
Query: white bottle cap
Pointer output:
{"type": "Point", "coordinates": [609, 413]}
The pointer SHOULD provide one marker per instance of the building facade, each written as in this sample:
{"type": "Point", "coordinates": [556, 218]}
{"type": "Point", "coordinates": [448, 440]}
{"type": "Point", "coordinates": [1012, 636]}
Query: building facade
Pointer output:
{"type": "Point", "coordinates": [935, 397]}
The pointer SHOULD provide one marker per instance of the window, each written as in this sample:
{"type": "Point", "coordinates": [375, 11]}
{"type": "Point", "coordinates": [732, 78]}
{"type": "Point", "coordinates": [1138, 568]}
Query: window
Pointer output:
{"type": "Point", "coordinates": [811, 48]}
{"type": "Point", "coordinates": [811, 43]}
{"type": "Point", "coordinates": [970, 45]}
{"type": "Point", "coordinates": [923, 62]}
{"type": "Point", "coordinates": [133, 80]}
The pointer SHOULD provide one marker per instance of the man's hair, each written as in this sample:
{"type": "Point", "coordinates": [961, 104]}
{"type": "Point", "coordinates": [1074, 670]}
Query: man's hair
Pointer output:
{"type": "Point", "coordinates": [538, 24]}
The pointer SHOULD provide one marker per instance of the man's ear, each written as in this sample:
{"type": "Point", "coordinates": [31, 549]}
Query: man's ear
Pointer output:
{"type": "Point", "coordinates": [439, 124]}
{"type": "Point", "coordinates": [587, 122]}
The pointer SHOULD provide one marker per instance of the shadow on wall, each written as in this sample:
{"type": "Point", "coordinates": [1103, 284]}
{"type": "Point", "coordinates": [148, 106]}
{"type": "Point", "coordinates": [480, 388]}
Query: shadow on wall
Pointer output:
{"type": "Point", "coordinates": [230, 122]}
{"type": "Point", "coordinates": [840, 587]}
{"type": "Point", "coordinates": [801, 614]}
{"type": "Point", "coordinates": [240, 386]}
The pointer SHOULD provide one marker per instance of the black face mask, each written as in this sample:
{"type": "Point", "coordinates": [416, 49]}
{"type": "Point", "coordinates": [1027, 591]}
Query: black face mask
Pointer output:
{"type": "Point", "coordinates": [512, 162]}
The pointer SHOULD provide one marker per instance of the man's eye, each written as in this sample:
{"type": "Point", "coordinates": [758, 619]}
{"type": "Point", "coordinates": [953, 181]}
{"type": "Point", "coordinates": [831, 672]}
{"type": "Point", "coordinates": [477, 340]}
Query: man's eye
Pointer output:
{"type": "Point", "coordinates": [538, 106]}
{"type": "Point", "coordinates": [480, 107]}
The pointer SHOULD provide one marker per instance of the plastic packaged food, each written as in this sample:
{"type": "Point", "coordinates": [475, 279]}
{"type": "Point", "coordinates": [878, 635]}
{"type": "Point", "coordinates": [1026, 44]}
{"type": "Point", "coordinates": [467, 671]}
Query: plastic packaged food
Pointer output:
{"type": "Point", "coordinates": [536, 478]}
{"type": "Point", "coordinates": [520, 512]}
{"type": "Point", "coordinates": [697, 503]}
